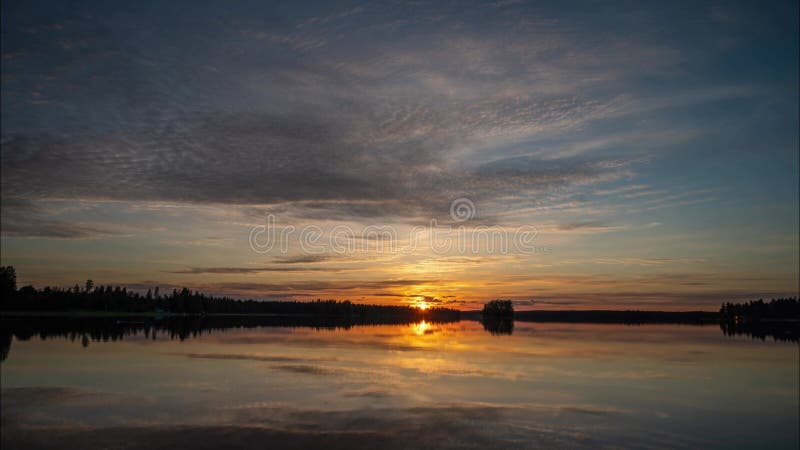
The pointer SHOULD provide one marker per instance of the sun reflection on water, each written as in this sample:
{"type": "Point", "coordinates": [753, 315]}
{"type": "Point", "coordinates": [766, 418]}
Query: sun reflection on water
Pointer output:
{"type": "Point", "coordinates": [422, 328]}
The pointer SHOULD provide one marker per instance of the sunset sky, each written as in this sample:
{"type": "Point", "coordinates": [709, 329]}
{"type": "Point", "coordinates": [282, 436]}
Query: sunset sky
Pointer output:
{"type": "Point", "coordinates": [653, 148]}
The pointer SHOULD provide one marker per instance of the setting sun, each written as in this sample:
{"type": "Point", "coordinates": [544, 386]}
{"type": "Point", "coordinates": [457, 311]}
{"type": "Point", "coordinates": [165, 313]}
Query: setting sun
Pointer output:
{"type": "Point", "coordinates": [422, 305]}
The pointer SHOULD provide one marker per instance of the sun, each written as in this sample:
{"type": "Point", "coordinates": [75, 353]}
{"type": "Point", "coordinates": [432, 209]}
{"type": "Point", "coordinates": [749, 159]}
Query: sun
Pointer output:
{"type": "Point", "coordinates": [422, 305]}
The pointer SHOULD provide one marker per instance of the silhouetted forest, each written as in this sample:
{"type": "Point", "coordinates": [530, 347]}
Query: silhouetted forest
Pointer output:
{"type": "Point", "coordinates": [184, 301]}
{"type": "Point", "coordinates": [628, 317]}
{"type": "Point", "coordinates": [779, 318]}
{"type": "Point", "coordinates": [759, 310]}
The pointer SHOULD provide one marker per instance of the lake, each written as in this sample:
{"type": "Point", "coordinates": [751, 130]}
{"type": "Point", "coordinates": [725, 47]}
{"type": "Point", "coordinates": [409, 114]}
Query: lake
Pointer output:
{"type": "Point", "coordinates": [130, 384]}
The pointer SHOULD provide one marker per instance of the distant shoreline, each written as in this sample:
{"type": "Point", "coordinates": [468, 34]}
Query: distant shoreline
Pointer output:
{"type": "Point", "coordinates": [612, 316]}
{"type": "Point", "coordinates": [117, 324]}
{"type": "Point", "coordinates": [567, 316]}
{"type": "Point", "coordinates": [564, 316]}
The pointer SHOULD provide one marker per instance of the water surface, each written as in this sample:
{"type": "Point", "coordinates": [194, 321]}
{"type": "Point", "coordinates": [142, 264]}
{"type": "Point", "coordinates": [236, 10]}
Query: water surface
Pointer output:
{"type": "Point", "coordinates": [424, 385]}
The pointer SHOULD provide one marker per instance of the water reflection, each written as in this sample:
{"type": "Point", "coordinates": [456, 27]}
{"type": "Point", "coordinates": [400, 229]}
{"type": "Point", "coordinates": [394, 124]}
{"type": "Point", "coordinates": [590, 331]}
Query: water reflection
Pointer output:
{"type": "Point", "coordinates": [422, 328]}
{"type": "Point", "coordinates": [86, 329]}
{"type": "Point", "coordinates": [498, 325]}
{"type": "Point", "coordinates": [787, 331]}
{"type": "Point", "coordinates": [228, 382]}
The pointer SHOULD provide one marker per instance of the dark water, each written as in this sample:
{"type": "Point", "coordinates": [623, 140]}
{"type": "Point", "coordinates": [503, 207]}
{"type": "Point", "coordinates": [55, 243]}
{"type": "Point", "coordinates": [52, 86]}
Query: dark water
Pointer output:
{"type": "Point", "coordinates": [131, 384]}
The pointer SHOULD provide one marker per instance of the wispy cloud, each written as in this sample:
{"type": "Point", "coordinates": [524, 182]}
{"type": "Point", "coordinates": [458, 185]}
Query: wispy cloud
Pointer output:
{"type": "Point", "coordinates": [246, 270]}
{"type": "Point", "coordinates": [649, 261]}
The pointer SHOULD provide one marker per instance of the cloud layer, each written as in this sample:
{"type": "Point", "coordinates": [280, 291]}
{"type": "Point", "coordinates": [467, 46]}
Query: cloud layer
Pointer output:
{"type": "Point", "coordinates": [182, 125]}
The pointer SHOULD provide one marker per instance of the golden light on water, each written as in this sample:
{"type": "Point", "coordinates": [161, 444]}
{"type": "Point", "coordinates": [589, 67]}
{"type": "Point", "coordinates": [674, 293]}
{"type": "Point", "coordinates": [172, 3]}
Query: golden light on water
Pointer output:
{"type": "Point", "coordinates": [421, 328]}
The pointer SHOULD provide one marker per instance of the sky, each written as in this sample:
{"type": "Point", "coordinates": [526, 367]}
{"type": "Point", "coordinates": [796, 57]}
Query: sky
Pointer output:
{"type": "Point", "coordinates": [564, 155]}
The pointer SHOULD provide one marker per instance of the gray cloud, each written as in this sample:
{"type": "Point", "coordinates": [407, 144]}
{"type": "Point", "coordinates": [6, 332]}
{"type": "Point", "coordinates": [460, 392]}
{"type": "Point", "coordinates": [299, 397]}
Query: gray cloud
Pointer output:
{"type": "Point", "coordinates": [374, 133]}
{"type": "Point", "coordinates": [305, 369]}
{"type": "Point", "coordinates": [321, 285]}
{"type": "Point", "coordinates": [24, 218]}
{"type": "Point", "coordinates": [587, 226]}
{"type": "Point", "coordinates": [302, 259]}
{"type": "Point", "coordinates": [245, 270]}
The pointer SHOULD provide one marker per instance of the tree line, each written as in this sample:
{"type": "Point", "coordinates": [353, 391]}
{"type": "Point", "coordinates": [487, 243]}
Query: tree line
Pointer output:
{"type": "Point", "coordinates": [759, 310]}
{"type": "Point", "coordinates": [185, 301]}
{"type": "Point", "coordinates": [779, 318]}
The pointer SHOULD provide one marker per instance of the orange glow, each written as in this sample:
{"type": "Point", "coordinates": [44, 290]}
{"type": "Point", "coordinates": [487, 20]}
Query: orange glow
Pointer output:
{"type": "Point", "coordinates": [422, 305]}
{"type": "Point", "coordinates": [421, 328]}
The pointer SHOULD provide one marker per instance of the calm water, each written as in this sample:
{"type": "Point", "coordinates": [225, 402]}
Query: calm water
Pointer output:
{"type": "Point", "coordinates": [405, 386]}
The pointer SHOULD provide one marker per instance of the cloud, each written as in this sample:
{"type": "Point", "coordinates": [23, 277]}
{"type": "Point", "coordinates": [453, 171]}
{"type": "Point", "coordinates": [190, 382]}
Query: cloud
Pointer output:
{"type": "Point", "coordinates": [23, 218]}
{"type": "Point", "coordinates": [270, 165]}
{"type": "Point", "coordinates": [649, 261]}
{"type": "Point", "coordinates": [368, 128]}
{"type": "Point", "coordinates": [524, 302]}
{"type": "Point", "coordinates": [246, 270]}
{"type": "Point", "coordinates": [333, 289]}
{"type": "Point", "coordinates": [587, 227]}
{"type": "Point", "coordinates": [370, 393]}
{"type": "Point", "coordinates": [302, 259]}
{"type": "Point", "coordinates": [305, 369]}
